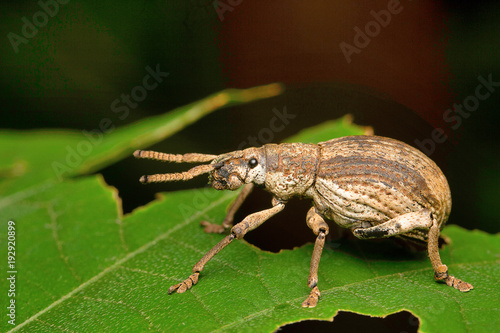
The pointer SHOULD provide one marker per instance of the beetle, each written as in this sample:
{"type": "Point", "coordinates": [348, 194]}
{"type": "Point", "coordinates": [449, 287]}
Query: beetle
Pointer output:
{"type": "Point", "coordinates": [375, 186]}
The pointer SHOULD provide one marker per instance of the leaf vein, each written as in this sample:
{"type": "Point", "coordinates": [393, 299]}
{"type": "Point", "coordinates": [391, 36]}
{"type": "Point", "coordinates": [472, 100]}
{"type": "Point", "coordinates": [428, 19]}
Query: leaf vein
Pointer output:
{"type": "Point", "coordinates": [55, 235]}
{"type": "Point", "coordinates": [261, 279]}
{"type": "Point", "coordinates": [137, 270]}
{"type": "Point", "coordinates": [63, 329]}
{"type": "Point", "coordinates": [216, 259]}
{"type": "Point", "coordinates": [122, 235]}
{"type": "Point", "coordinates": [118, 263]}
{"type": "Point", "coordinates": [131, 307]}
{"type": "Point", "coordinates": [206, 308]}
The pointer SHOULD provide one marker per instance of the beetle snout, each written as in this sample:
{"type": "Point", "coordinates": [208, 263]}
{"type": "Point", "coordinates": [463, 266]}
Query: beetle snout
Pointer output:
{"type": "Point", "coordinates": [219, 182]}
{"type": "Point", "coordinates": [225, 179]}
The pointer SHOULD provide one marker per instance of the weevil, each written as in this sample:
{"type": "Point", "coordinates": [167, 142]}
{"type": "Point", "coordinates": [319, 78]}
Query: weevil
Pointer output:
{"type": "Point", "coordinates": [375, 186]}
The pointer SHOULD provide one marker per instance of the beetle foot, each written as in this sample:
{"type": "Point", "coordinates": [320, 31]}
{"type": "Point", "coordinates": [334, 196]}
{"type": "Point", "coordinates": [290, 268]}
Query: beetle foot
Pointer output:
{"type": "Point", "coordinates": [312, 300]}
{"type": "Point", "coordinates": [212, 228]}
{"type": "Point", "coordinates": [458, 284]}
{"type": "Point", "coordinates": [442, 275]}
{"type": "Point", "coordinates": [185, 285]}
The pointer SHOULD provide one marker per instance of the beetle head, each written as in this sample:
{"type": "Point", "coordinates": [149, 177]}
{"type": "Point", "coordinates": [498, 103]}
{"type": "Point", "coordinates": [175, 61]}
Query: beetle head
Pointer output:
{"type": "Point", "coordinates": [227, 171]}
{"type": "Point", "coordinates": [232, 170]}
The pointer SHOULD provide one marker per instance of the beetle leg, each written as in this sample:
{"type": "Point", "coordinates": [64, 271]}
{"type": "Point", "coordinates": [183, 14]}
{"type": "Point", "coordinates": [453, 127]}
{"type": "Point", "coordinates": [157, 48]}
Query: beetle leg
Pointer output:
{"type": "Point", "coordinates": [214, 228]}
{"type": "Point", "coordinates": [440, 270]}
{"type": "Point", "coordinates": [320, 228]}
{"type": "Point", "coordinates": [409, 222]}
{"type": "Point", "coordinates": [250, 222]}
{"type": "Point", "coordinates": [254, 220]}
{"type": "Point", "coordinates": [396, 226]}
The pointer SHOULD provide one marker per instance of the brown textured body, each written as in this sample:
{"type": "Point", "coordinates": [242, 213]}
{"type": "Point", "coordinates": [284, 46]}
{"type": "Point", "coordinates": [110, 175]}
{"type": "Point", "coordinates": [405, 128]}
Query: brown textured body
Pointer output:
{"type": "Point", "coordinates": [290, 168]}
{"type": "Point", "coordinates": [375, 186]}
{"type": "Point", "coordinates": [364, 181]}
{"type": "Point", "coordinates": [359, 181]}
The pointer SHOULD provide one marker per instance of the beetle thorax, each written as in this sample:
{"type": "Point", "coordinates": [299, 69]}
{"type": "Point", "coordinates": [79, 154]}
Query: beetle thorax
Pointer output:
{"type": "Point", "coordinates": [291, 168]}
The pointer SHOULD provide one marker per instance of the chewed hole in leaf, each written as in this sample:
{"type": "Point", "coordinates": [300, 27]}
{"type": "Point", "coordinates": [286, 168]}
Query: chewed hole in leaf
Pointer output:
{"type": "Point", "coordinates": [347, 322]}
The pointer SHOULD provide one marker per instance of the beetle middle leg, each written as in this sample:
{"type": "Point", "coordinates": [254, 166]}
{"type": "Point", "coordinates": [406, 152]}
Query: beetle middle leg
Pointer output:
{"type": "Point", "coordinates": [320, 228]}
{"type": "Point", "coordinates": [214, 228]}
{"type": "Point", "coordinates": [249, 223]}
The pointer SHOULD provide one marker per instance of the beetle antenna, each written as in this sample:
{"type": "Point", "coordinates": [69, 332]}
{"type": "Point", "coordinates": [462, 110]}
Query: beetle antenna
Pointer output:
{"type": "Point", "coordinates": [170, 177]}
{"type": "Point", "coordinates": [177, 158]}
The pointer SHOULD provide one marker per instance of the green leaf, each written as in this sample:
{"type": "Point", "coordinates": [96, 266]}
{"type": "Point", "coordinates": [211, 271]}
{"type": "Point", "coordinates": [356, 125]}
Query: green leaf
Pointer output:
{"type": "Point", "coordinates": [83, 266]}
{"type": "Point", "coordinates": [329, 130]}
{"type": "Point", "coordinates": [32, 157]}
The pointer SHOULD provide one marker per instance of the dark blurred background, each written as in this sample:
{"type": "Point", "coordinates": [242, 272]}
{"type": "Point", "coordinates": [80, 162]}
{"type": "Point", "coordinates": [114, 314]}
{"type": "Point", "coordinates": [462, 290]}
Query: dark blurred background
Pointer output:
{"type": "Point", "coordinates": [64, 65]}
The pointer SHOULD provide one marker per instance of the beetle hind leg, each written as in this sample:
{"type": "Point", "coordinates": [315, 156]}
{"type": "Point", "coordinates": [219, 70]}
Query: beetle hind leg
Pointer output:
{"type": "Point", "coordinates": [320, 228]}
{"type": "Point", "coordinates": [409, 222]}
{"type": "Point", "coordinates": [441, 270]}
{"type": "Point", "coordinates": [396, 226]}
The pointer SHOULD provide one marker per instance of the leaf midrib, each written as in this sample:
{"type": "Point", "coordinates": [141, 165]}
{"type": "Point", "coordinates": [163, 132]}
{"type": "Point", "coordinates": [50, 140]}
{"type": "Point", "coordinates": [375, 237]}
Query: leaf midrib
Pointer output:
{"type": "Point", "coordinates": [118, 263]}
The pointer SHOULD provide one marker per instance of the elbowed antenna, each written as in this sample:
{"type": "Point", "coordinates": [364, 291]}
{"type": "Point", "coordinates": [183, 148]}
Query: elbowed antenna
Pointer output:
{"type": "Point", "coordinates": [177, 158]}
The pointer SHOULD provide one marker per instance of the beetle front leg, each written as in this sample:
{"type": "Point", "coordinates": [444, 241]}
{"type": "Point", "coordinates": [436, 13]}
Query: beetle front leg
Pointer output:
{"type": "Point", "coordinates": [320, 228]}
{"type": "Point", "coordinates": [250, 222]}
{"type": "Point", "coordinates": [193, 278]}
{"type": "Point", "coordinates": [213, 228]}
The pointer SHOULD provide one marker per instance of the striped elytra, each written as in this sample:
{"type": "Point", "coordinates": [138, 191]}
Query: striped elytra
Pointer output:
{"type": "Point", "coordinates": [373, 179]}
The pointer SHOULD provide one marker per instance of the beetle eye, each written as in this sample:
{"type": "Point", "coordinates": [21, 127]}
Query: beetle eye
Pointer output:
{"type": "Point", "coordinates": [253, 162]}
